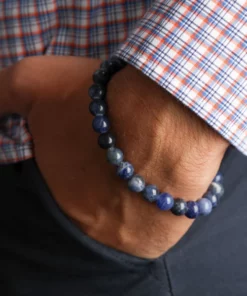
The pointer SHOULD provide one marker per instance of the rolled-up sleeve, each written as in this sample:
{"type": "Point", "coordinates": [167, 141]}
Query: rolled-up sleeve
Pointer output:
{"type": "Point", "coordinates": [197, 51]}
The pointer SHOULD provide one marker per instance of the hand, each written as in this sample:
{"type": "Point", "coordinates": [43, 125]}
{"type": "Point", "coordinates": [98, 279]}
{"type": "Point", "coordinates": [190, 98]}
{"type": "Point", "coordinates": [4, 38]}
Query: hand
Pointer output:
{"type": "Point", "coordinates": [166, 143]}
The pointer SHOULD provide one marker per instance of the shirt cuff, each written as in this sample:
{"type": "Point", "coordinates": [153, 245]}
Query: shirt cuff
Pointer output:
{"type": "Point", "coordinates": [197, 51]}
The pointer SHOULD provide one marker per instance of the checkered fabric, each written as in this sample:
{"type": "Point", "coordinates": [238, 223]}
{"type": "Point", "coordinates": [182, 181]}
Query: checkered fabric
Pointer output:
{"type": "Point", "coordinates": [196, 50]}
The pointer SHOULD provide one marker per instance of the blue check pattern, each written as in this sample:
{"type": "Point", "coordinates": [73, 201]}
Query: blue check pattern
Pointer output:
{"type": "Point", "coordinates": [196, 50]}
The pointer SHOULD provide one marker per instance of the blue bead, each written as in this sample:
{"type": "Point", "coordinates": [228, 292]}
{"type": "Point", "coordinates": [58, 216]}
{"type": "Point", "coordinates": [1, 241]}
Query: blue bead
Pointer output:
{"type": "Point", "coordinates": [106, 140]}
{"type": "Point", "coordinates": [205, 206]}
{"type": "Point", "coordinates": [97, 107]}
{"type": "Point", "coordinates": [180, 207]}
{"type": "Point", "coordinates": [114, 156]}
{"type": "Point", "coordinates": [217, 189]}
{"type": "Point", "coordinates": [101, 124]}
{"type": "Point", "coordinates": [115, 64]}
{"type": "Point", "coordinates": [193, 210]}
{"type": "Point", "coordinates": [151, 193]}
{"type": "Point", "coordinates": [165, 201]}
{"type": "Point", "coordinates": [125, 170]}
{"type": "Point", "coordinates": [97, 92]}
{"type": "Point", "coordinates": [212, 197]}
{"type": "Point", "coordinates": [101, 76]}
{"type": "Point", "coordinates": [136, 183]}
{"type": "Point", "coordinates": [218, 178]}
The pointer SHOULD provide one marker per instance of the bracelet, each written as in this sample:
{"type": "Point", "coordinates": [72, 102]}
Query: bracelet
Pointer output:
{"type": "Point", "coordinates": [125, 170]}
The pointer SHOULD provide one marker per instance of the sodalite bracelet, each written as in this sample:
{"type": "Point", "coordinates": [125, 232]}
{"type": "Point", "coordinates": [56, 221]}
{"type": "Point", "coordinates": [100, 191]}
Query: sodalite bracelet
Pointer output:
{"type": "Point", "coordinates": [125, 170]}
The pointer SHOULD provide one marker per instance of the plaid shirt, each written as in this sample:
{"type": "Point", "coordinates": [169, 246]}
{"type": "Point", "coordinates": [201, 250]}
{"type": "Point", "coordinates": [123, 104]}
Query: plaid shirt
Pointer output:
{"type": "Point", "coordinates": [196, 50]}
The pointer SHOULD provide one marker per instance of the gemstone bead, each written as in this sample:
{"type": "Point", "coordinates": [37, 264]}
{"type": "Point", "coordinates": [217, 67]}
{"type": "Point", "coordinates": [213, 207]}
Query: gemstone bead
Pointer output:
{"type": "Point", "coordinates": [104, 65]}
{"type": "Point", "coordinates": [101, 76]}
{"type": "Point", "coordinates": [151, 193]}
{"type": "Point", "coordinates": [136, 183]}
{"type": "Point", "coordinates": [106, 140]}
{"type": "Point", "coordinates": [212, 197]}
{"type": "Point", "coordinates": [218, 178]}
{"type": "Point", "coordinates": [165, 201]}
{"type": "Point", "coordinates": [205, 206]}
{"type": "Point", "coordinates": [180, 207]}
{"type": "Point", "coordinates": [101, 124]}
{"type": "Point", "coordinates": [193, 210]}
{"type": "Point", "coordinates": [97, 92]}
{"type": "Point", "coordinates": [125, 170]}
{"type": "Point", "coordinates": [97, 107]}
{"type": "Point", "coordinates": [217, 189]}
{"type": "Point", "coordinates": [115, 64]}
{"type": "Point", "coordinates": [114, 156]}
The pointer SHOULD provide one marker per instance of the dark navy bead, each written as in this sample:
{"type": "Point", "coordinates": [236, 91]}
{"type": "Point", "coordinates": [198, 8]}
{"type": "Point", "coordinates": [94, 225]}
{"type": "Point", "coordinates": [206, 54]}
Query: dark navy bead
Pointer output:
{"type": "Point", "coordinates": [193, 210]}
{"type": "Point", "coordinates": [217, 189]}
{"type": "Point", "coordinates": [180, 207]}
{"type": "Point", "coordinates": [106, 140]}
{"type": "Point", "coordinates": [97, 92]}
{"type": "Point", "coordinates": [101, 76]}
{"type": "Point", "coordinates": [115, 64]}
{"type": "Point", "coordinates": [115, 156]}
{"type": "Point", "coordinates": [125, 170]}
{"type": "Point", "coordinates": [212, 197]}
{"type": "Point", "coordinates": [97, 107]}
{"type": "Point", "coordinates": [218, 178]}
{"type": "Point", "coordinates": [151, 193]}
{"type": "Point", "coordinates": [104, 65]}
{"type": "Point", "coordinates": [136, 183]}
{"type": "Point", "coordinates": [165, 201]}
{"type": "Point", "coordinates": [205, 206]}
{"type": "Point", "coordinates": [101, 124]}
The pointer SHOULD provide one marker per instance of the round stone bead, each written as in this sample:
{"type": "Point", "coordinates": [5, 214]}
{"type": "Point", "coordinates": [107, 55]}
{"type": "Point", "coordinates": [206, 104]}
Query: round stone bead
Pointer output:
{"type": "Point", "coordinates": [136, 183]}
{"type": "Point", "coordinates": [180, 207]}
{"type": "Point", "coordinates": [104, 65]}
{"type": "Point", "coordinates": [217, 189]}
{"type": "Point", "coordinates": [97, 107]}
{"type": "Point", "coordinates": [125, 170]}
{"type": "Point", "coordinates": [115, 64]}
{"type": "Point", "coordinates": [114, 156]}
{"type": "Point", "coordinates": [205, 206]}
{"type": "Point", "coordinates": [218, 178]}
{"type": "Point", "coordinates": [193, 210]}
{"type": "Point", "coordinates": [97, 92]}
{"type": "Point", "coordinates": [165, 201]}
{"type": "Point", "coordinates": [151, 193]}
{"type": "Point", "coordinates": [106, 140]}
{"type": "Point", "coordinates": [101, 76]}
{"type": "Point", "coordinates": [212, 197]}
{"type": "Point", "coordinates": [101, 124]}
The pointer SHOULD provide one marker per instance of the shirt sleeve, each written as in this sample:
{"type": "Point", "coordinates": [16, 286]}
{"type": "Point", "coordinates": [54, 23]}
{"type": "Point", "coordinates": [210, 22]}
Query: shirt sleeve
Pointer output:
{"type": "Point", "coordinates": [197, 51]}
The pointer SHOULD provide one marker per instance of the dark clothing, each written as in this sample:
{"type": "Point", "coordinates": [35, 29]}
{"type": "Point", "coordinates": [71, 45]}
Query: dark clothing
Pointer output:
{"type": "Point", "coordinates": [42, 253]}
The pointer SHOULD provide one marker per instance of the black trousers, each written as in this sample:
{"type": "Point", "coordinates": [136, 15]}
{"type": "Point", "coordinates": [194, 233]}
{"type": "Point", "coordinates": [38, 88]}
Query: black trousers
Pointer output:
{"type": "Point", "coordinates": [43, 254]}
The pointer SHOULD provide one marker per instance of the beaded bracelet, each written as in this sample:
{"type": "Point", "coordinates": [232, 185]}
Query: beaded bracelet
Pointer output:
{"type": "Point", "coordinates": [125, 170]}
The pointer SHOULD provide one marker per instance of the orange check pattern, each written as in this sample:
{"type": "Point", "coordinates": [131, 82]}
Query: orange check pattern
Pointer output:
{"type": "Point", "coordinates": [196, 50]}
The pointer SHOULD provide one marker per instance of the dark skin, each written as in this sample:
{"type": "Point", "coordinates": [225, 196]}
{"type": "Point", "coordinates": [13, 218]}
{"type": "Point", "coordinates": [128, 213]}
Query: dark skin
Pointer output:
{"type": "Point", "coordinates": [167, 144]}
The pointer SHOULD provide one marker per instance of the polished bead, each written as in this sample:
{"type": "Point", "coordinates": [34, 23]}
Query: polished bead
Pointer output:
{"type": "Point", "coordinates": [151, 193]}
{"type": "Point", "coordinates": [212, 197]}
{"type": "Point", "coordinates": [104, 65]}
{"type": "Point", "coordinates": [217, 189]}
{"type": "Point", "coordinates": [136, 183]}
{"type": "Point", "coordinates": [97, 92]}
{"type": "Point", "coordinates": [125, 170]}
{"type": "Point", "coordinates": [101, 124]}
{"type": "Point", "coordinates": [106, 140]}
{"type": "Point", "coordinates": [218, 178]}
{"type": "Point", "coordinates": [101, 76]}
{"type": "Point", "coordinates": [192, 210]}
{"type": "Point", "coordinates": [180, 207]}
{"type": "Point", "coordinates": [205, 206]}
{"type": "Point", "coordinates": [115, 64]}
{"type": "Point", "coordinates": [97, 107]}
{"type": "Point", "coordinates": [165, 201]}
{"type": "Point", "coordinates": [114, 156]}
